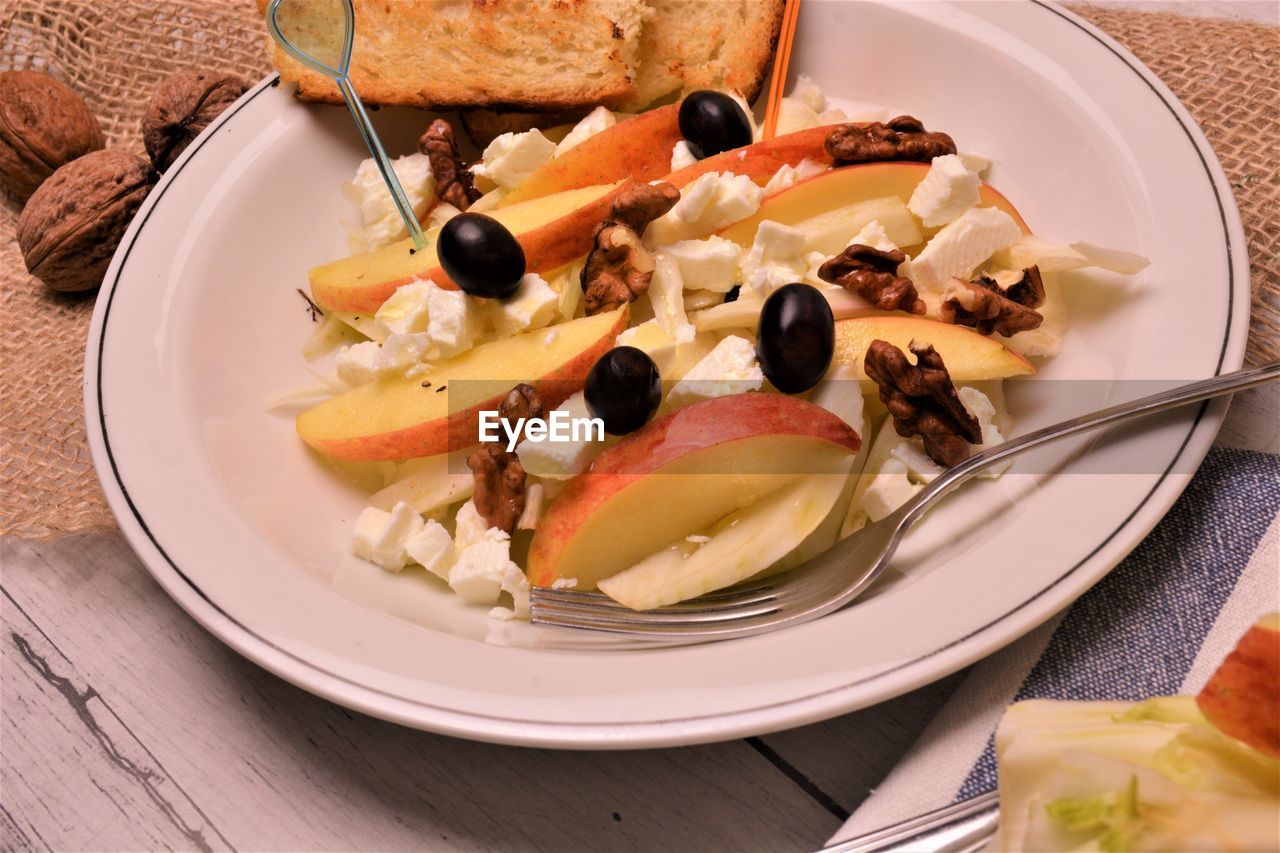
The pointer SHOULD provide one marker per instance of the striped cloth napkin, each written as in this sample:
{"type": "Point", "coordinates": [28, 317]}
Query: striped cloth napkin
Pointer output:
{"type": "Point", "coordinates": [1159, 624]}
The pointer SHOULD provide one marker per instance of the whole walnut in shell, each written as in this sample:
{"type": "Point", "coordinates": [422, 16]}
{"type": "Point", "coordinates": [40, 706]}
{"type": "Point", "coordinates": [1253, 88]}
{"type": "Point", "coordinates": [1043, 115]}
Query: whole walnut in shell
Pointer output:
{"type": "Point", "coordinates": [183, 105]}
{"type": "Point", "coordinates": [72, 224]}
{"type": "Point", "coordinates": [43, 124]}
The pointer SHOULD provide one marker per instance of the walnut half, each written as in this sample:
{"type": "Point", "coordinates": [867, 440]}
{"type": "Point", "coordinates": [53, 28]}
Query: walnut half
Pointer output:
{"type": "Point", "coordinates": [873, 274]}
{"type": "Point", "coordinates": [988, 307]}
{"type": "Point", "coordinates": [454, 182]}
{"type": "Point", "coordinates": [619, 268]}
{"type": "Point", "coordinates": [901, 138]}
{"type": "Point", "coordinates": [923, 401]}
{"type": "Point", "coordinates": [499, 477]}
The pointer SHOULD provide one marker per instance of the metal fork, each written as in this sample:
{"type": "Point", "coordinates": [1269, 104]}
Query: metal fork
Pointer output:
{"type": "Point", "coordinates": [836, 577]}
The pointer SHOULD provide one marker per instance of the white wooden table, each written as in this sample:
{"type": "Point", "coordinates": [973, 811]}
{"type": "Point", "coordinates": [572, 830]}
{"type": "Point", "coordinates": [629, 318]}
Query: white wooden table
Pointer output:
{"type": "Point", "coordinates": [126, 726]}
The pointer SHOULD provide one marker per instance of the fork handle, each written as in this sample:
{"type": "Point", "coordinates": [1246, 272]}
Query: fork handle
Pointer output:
{"type": "Point", "coordinates": [954, 828]}
{"type": "Point", "coordinates": [1194, 392]}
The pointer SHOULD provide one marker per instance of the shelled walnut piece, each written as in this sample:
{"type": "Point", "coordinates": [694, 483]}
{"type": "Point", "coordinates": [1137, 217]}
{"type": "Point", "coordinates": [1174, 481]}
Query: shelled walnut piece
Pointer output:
{"type": "Point", "coordinates": [922, 400]}
{"type": "Point", "coordinates": [619, 268]}
{"type": "Point", "coordinates": [901, 138]}
{"type": "Point", "coordinates": [987, 307]}
{"type": "Point", "coordinates": [44, 124]}
{"type": "Point", "coordinates": [183, 105]}
{"type": "Point", "coordinates": [873, 274]}
{"type": "Point", "coordinates": [499, 477]}
{"type": "Point", "coordinates": [71, 225]}
{"type": "Point", "coordinates": [454, 182]}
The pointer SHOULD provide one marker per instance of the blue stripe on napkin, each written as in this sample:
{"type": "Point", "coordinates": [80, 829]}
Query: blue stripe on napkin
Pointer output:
{"type": "Point", "coordinates": [1137, 632]}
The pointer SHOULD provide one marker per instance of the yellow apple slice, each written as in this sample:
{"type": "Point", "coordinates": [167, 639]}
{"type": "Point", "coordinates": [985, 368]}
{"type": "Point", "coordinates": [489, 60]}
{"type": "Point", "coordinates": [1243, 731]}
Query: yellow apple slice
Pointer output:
{"type": "Point", "coordinates": [742, 544]}
{"type": "Point", "coordinates": [847, 186]}
{"type": "Point", "coordinates": [969, 356]}
{"type": "Point", "coordinates": [830, 232]}
{"type": "Point", "coordinates": [553, 231]}
{"type": "Point", "coordinates": [677, 476]}
{"type": "Point", "coordinates": [638, 148]}
{"type": "Point", "coordinates": [402, 418]}
{"type": "Point", "coordinates": [761, 160]}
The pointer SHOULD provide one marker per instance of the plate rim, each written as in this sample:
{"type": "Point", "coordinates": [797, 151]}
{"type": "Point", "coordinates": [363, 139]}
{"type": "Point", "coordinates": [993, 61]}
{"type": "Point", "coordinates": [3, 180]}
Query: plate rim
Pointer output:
{"type": "Point", "coordinates": [757, 719]}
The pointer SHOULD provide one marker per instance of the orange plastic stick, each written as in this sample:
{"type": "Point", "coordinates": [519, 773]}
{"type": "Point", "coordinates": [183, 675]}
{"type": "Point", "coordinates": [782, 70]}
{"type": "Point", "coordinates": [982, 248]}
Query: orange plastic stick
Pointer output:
{"type": "Point", "coordinates": [781, 61]}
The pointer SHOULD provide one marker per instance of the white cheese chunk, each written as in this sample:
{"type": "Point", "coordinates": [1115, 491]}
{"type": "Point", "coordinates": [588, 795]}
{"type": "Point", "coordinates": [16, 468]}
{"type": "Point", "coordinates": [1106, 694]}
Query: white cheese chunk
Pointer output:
{"type": "Point", "coordinates": [512, 157]}
{"type": "Point", "coordinates": [597, 120]}
{"type": "Point", "coordinates": [777, 257]}
{"type": "Point", "coordinates": [947, 190]}
{"type": "Point", "coordinates": [873, 235]}
{"type": "Point", "coordinates": [958, 249]}
{"type": "Point", "coordinates": [432, 548]}
{"type": "Point", "coordinates": [452, 322]}
{"type": "Point", "coordinates": [380, 537]}
{"type": "Point", "coordinates": [981, 407]}
{"type": "Point", "coordinates": [559, 460]}
{"type": "Point", "coordinates": [403, 353]}
{"type": "Point", "coordinates": [469, 527]}
{"type": "Point", "coordinates": [515, 584]}
{"type": "Point", "coordinates": [666, 294]}
{"type": "Point", "coordinates": [807, 92]}
{"type": "Point", "coordinates": [920, 468]}
{"type": "Point", "coordinates": [789, 175]}
{"type": "Point", "coordinates": [380, 223]}
{"type": "Point", "coordinates": [368, 361]}
{"type": "Point", "coordinates": [682, 156]}
{"type": "Point", "coordinates": [406, 310]}
{"type": "Point", "coordinates": [532, 306]}
{"type": "Point", "coordinates": [479, 571]}
{"type": "Point", "coordinates": [673, 358]}
{"type": "Point", "coordinates": [357, 364]}
{"type": "Point", "coordinates": [730, 368]}
{"type": "Point", "coordinates": [710, 264]}
{"type": "Point", "coordinates": [891, 488]}
{"type": "Point", "coordinates": [713, 201]}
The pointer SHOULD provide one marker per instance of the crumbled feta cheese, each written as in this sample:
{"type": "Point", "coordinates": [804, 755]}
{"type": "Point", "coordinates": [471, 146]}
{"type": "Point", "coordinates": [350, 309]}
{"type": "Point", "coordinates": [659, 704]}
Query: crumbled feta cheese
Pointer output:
{"type": "Point", "coordinates": [512, 157]}
{"type": "Point", "coordinates": [469, 527]}
{"type": "Point", "coordinates": [532, 306]}
{"type": "Point", "coordinates": [947, 190]}
{"type": "Point", "coordinates": [432, 548]}
{"type": "Point", "coordinates": [479, 571]}
{"type": "Point", "coordinates": [776, 257]}
{"type": "Point", "coordinates": [403, 353]}
{"type": "Point", "coordinates": [807, 92]}
{"type": "Point", "coordinates": [666, 294]}
{"type": "Point", "coordinates": [451, 321]}
{"type": "Point", "coordinates": [673, 358]}
{"type": "Point", "coordinates": [974, 162]}
{"type": "Point", "coordinates": [873, 235]}
{"type": "Point", "coordinates": [713, 201]}
{"type": "Point", "coordinates": [502, 614]}
{"type": "Point", "coordinates": [710, 264]}
{"type": "Point", "coordinates": [682, 156]}
{"type": "Point", "coordinates": [960, 247]}
{"type": "Point", "coordinates": [788, 175]}
{"type": "Point", "coordinates": [730, 368]}
{"type": "Point", "coordinates": [597, 120]}
{"type": "Point", "coordinates": [380, 536]}
{"type": "Point", "coordinates": [515, 584]}
{"type": "Point", "coordinates": [405, 311]}
{"type": "Point", "coordinates": [891, 488]}
{"type": "Point", "coordinates": [380, 223]}
{"type": "Point", "coordinates": [558, 460]}
{"type": "Point", "coordinates": [357, 364]}
{"type": "Point", "coordinates": [920, 468]}
{"type": "Point", "coordinates": [981, 407]}
{"type": "Point", "coordinates": [564, 583]}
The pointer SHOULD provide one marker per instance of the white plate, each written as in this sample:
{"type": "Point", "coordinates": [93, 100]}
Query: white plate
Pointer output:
{"type": "Point", "coordinates": [198, 324]}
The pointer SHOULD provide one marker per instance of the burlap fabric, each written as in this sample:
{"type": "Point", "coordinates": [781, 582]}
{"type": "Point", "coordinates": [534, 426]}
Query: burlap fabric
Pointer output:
{"type": "Point", "coordinates": [113, 53]}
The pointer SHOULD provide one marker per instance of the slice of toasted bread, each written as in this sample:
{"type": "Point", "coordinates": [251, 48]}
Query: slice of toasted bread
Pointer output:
{"type": "Point", "coordinates": [454, 54]}
{"type": "Point", "coordinates": [684, 45]}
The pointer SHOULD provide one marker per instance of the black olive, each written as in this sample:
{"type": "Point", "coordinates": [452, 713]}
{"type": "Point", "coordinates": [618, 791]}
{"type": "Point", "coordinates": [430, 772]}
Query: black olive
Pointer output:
{"type": "Point", "coordinates": [712, 123]}
{"type": "Point", "coordinates": [623, 390]}
{"type": "Point", "coordinates": [796, 338]}
{"type": "Point", "coordinates": [481, 255]}
{"type": "Point", "coordinates": [733, 294]}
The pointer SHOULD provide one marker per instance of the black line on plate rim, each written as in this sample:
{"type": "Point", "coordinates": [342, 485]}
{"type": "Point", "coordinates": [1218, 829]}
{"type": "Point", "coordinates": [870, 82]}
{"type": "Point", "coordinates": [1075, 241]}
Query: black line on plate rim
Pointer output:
{"type": "Point", "coordinates": [152, 203]}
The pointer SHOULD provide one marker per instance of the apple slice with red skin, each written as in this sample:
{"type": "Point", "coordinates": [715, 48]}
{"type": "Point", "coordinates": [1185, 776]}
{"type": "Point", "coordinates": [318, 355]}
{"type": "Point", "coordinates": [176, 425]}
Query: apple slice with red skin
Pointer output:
{"type": "Point", "coordinates": [969, 356]}
{"type": "Point", "coordinates": [762, 160]}
{"type": "Point", "coordinates": [678, 475]}
{"type": "Point", "coordinates": [404, 418]}
{"type": "Point", "coordinates": [1242, 699]}
{"type": "Point", "coordinates": [552, 231]}
{"type": "Point", "coordinates": [638, 147]}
